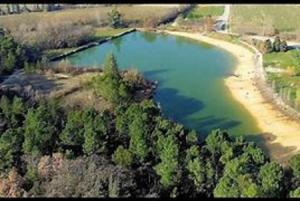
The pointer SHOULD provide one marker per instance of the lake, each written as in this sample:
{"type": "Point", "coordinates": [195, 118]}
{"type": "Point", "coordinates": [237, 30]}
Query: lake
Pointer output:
{"type": "Point", "coordinates": [191, 77]}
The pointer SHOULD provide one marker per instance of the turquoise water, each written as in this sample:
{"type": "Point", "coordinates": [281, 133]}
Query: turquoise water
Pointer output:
{"type": "Point", "coordinates": [191, 76]}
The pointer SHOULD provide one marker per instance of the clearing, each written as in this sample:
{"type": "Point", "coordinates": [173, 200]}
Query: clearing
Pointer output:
{"type": "Point", "coordinates": [263, 20]}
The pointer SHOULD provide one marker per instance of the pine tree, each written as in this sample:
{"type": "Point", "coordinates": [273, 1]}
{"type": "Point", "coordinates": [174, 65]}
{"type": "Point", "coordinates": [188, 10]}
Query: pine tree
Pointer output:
{"type": "Point", "coordinates": [110, 85]}
{"type": "Point", "coordinates": [167, 169]}
{"type": "Point", "coordinates": [111, 68]}
{"type": "Point", "coordinates": [276, 44]}
{"type": "Point", "coordinates": [5, 106]}
{"type": "Point", "coordinates": [39, 131]}
{"type": "Point", "coordinates": [122, 156]}
{"type": "Point", "coordinates": [138, 134]}
{"type": "Point", "coordinates": [115, 18]}
{"type": "Point", "coordinates": [283, 46]}
{"type": "Point", "coordinates": [271, 177]}
{"type": "Point", "coordinates": [268, 46]}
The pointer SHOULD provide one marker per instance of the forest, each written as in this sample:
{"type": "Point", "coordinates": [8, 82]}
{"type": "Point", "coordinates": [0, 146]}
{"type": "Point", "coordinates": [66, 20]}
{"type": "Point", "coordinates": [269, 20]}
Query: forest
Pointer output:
{"type": "Point", "coordinates": [129, 150]}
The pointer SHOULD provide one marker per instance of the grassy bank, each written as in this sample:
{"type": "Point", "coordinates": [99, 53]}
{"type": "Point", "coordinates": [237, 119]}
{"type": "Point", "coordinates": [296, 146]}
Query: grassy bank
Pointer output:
{"type": "Point", "coordinates": [236, 39]}
{"type": "Point", "coordinates": [99, 34]}
{"type": "Point", "coordinates": [287, 82]}
{"type": "Point", "coordinates": [102, 33]}
{"type": "Point", "coordinates": [283, 59]}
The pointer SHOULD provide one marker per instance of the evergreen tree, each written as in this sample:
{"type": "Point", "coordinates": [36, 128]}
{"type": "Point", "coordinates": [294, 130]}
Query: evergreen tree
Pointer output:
{"type": "Point", "coordinates": [276, 44]}
{"type": "Point", "coordinates": [110, 85]}
{"type": "Point", "coordinates": [196, 168]}
{"type": "Point", "coordinates": [95, 135]}
{"type": "Point", "coordinates": [115, 18]}
{"type": "Point", "coordinates": [5, 106]}
{"type": "Point", "coordinates": [267, 46]}
{"type": "Point", "coordinates": [10, 61]}
{"type": "Point", "coordinates": [168, 169]}
{"type": "Point", "coordinates": [271, 177]}
{"type": "Point", "coordinates": [295, 193]}
{"type": "Point", "coordinates": [111, 67]}
{"type": "Point", "coordinates": [39, 134]}
{"type": "Point", "coordinates": [237, 180]}
{"type": "Point", "coordinates": [18, 110]}
{"type": "Point", "coordinates": [122, 157]}
{"type": "Point", "coordinates": [294, 163]}
{"type": "Point", "coordinates": [10, 148]}
{"type": "Point", "coordinates": [138, 134]}
{"type": "Point", "coordinates": [73, 132]}
{"type": "Point", "coordinates": [283, 46]}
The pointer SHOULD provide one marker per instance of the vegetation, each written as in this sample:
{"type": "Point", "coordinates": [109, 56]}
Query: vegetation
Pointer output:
{"type": "Point", "coordinates": [13, 55]}
{"type": "Point", "coordinates": [266, 20]}
{"type": "Point", "coordinates": [130, 150]}
{"type": "Point", "coordinates": [74, 27]}
{"type": "Point", "coordinates": [102, 33]}
{"type": "Point", "coordinates": [199, 12]}
{"type": "Point", "coordinates": [285, 79]}
{"type": "Point", "coordinates": [110, 85]}
{"type": "Point", "coordinates": [283, 60]}
{"type": "Point", "coordinates": [197, 19]}
{"type": "Point", "coordinates": [114, 17]}
{"type": "Point", "coordinates": [282, 69]}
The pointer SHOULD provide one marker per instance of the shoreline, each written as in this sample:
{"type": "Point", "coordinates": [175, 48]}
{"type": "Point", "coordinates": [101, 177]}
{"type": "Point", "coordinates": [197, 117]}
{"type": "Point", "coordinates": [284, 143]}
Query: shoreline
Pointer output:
{"type": "Point", "coordinates": [91, 44]}
{"type": "Point", "coordinates": [284, 131]}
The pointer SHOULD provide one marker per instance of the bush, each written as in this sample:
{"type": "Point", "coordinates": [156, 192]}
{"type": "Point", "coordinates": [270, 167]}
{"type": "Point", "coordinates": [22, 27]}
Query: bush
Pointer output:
{"type": "Point", "coordinates": [122, 157]}
{"type": "Point", "coordinates": [53, 35]}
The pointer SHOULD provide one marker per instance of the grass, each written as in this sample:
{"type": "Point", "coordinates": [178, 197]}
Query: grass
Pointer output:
{"type": "Point", "coordinates": [229, 38]}
{"type": "Point", "coordinates": [283, 59]}
{"type": "Point", "coordinates": [287, 85]}
{"type": "Point", "coordinates": [96, 16]}
{"type": "Point", "coordinates": [101, 33]}
{"type": "Point", "coordinates": [226, 37]}
{"type": "Point", "coordinates": [253, 18]}
{"type": "Point", "coordinates": [56, 52]}
{"type": "Point", "coordinates": [72, 92]}
{"type": "Point", "coordinates": [202, 11]}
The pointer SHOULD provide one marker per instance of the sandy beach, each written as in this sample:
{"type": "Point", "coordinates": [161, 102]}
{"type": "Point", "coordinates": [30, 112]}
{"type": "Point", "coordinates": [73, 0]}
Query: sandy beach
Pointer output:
{"type": "Point", "coordinates": [285, 132]}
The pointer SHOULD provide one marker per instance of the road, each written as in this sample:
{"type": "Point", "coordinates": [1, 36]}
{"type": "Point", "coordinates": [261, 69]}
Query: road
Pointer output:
{"type": "Point", "coordinates": [223, 21]}
{"type": "Point", "coordinates": [222, 25]}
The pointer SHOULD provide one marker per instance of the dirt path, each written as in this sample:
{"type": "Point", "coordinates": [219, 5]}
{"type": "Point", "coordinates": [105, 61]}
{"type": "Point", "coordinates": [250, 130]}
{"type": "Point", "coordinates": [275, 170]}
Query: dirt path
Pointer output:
{"type": "Point", "coordinates": [284, 131]}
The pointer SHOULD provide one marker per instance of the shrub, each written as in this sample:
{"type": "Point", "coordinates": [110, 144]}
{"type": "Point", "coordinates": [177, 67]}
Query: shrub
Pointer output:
{"type": "Point", "coordinates": [122, 157]}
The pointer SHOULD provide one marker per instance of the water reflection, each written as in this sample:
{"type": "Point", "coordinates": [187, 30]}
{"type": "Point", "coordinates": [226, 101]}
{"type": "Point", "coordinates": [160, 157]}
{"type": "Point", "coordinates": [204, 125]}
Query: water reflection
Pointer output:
{"type": "Point", "coordinates": [149, 36]}
{"type": "Point", "coordinates": [191, 88]}
{"type": "Point", "coordinates": [117, 42]}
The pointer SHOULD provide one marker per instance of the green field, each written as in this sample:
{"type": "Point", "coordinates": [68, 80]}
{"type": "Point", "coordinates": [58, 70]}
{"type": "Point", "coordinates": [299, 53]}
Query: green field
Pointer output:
{"type": "Point", "coordinates": [286, 84]}
{"type": "Point", "coordinates": [258, 19]}
{"type": "Point", "coordinates": [283, 59]}
{"type": "Point", "coordinates": [203, 11]}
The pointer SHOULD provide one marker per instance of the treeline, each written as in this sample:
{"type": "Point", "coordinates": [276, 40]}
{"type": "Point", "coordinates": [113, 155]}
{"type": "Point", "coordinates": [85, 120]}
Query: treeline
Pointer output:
{"type": "Point", "coordinates": [129, 151]}
{"type": "Point", "coordinates": [267, 46]}
{"type": "Point", "coordinates": [14, 55]}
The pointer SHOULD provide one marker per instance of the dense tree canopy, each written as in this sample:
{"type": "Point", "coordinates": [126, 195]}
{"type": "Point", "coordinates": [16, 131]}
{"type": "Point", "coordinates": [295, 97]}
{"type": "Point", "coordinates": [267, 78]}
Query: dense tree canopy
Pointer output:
{"type": "Point", "coordinates": [14, 55]}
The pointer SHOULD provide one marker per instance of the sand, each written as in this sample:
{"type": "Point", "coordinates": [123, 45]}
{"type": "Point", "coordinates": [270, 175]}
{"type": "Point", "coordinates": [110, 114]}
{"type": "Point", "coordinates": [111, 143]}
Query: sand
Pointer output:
{"type": "Point", "coordinates": [284, 130]}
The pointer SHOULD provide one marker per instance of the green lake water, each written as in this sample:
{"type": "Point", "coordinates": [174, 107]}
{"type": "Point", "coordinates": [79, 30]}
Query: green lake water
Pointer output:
{"type": "Point", "coordinates": [191, 76]}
